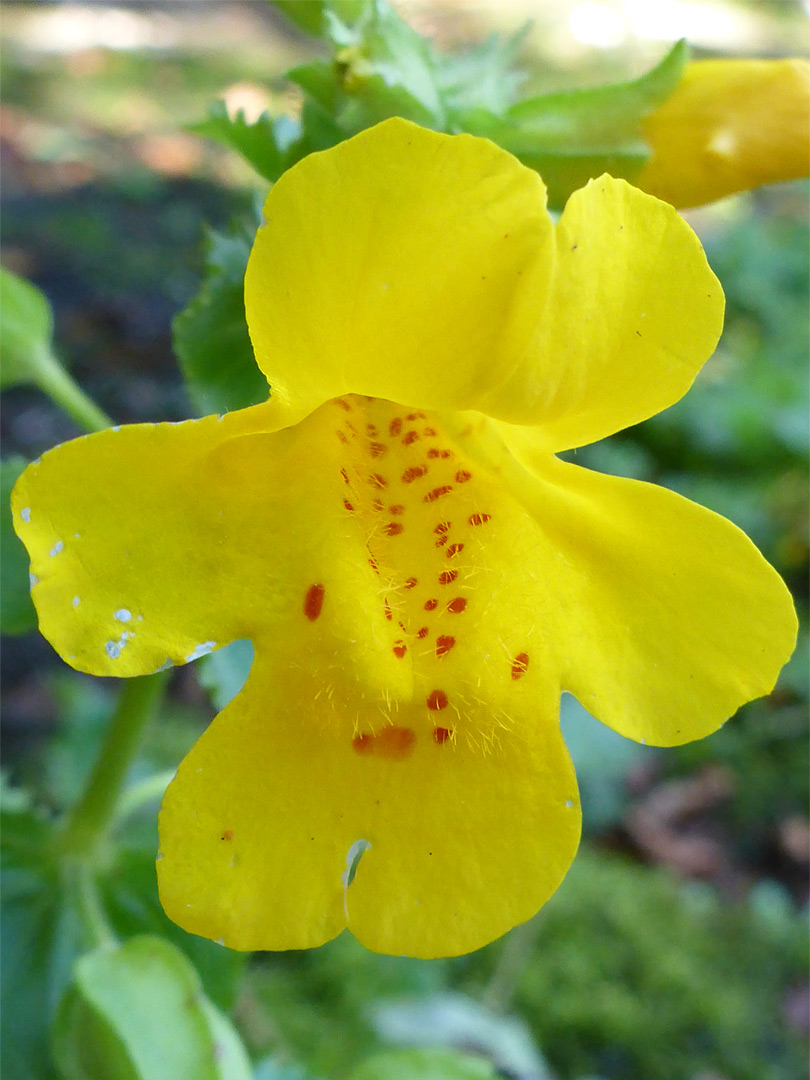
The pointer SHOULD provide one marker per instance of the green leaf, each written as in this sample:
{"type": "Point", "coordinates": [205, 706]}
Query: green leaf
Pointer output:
{"type": "Point", "coordinates": [310, 15]}
{"type": "Point", "coordinates": [211, 337]}
{"type": "Point", "coordinates": [481, 78]}
{"type": "Point", "coordinates": [263, 143]}
{"type": "Point", "coordinates": [26, 330]}
{"type": "Point", "coordinates": [223, 673]}
{"type": "Point", "coordinates": [138, 1012]}
{"type": "Point", "coordinates": [572, 136]}
{"type": "Point", "coordinates": [424, 1065]}
{"type": "Point", "coordinates": [17, 614]}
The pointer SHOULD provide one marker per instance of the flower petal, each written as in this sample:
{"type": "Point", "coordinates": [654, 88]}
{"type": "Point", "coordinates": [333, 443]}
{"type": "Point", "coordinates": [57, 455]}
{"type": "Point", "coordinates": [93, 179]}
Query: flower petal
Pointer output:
{"type": "Point", "coordinates": [263, 825]}
{"type": "Point", "coordinates": [423, 268]}
{"type": "Point", "coordinates": [667, 618]}
{"type": "Point", "coordinates": [729, 126]}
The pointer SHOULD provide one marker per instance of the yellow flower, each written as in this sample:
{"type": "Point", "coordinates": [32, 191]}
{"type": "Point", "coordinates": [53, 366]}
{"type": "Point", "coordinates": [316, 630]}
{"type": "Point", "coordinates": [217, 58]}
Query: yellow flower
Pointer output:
{"type": "Point", "coordinates": [730, 125]}
{"type": "Point", "coordinates": [419, 574]}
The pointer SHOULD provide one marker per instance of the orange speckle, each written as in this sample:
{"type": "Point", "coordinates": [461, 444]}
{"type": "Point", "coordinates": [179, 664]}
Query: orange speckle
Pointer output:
{"type": "Point", "coordinates": [431, 605]}
{"type": "Point", "coordinates": [363, 744]}
{"type": "Point", "coordinates": [371, 429]}
{"type": "Point", "coordinates": [415, 416]}
{"type": "Point", "coordinates": [444, 643]}
{"type": "Point", "coordinates": [348, 505]}
{"type": "Point", "coordinates": [377, 481]}
{"type": "Point", "coordinates": [395, 427]}
{"type": "Point", "coordinates": [393, 528]}
{"type": "Point", "coordinates": [413, 473]}
{"type": "Point", "coordinates": [400, 648]}
{"type": "Point", "coordinates": [430, 432]}
{"type": "Point", "coordinates": [454, 549]}
{"type": "Point", "coordinates": [313, 602]}
{"type": "Point", "coordinates": [447, 577]}
{"type": "Point", "coordinates": [441, 541]}
{"type": "Point", "coordinates": [457, 606]}
{"type": "Point", "coordinates": [388, 614]}
{"type": "Point", "coordinates": [411, 583]}
{"type": "Point", "coordinates": [377, 449]}
{"type": "Point", "coordinates": [520, 665]}
{"type": "Point", "coordinates": [377, 505]}
{"type": "Point", "coordinates": [345, 476]}
{"type": "Point", "coordinates": [478, 519]}
{"type": "Point", "coordinates": [397, 509]}
{"type": "Point", "coordinates": [443, 527]}
{"type": "Point", "coordinates": [437, 493]}
{"type": "Point", "coordinates": [411, 437]}
{"type": "Point", "coordinates": [227, 835]}
{"type": "Point", "coordinates": [373, 564]}
{"type": "Point", "coordinates": [343, 404]}
{"type": "Point", "coordinates": [441, 735]}
{"type": "Point", "coordinates": [422, 632]}
{"type": "Point", "coordinates": [462, 476]}
{"type": "Point", "coordinates": [393, 743]}
{"type": "Point", "coordinates": [342, 437]}
{"type": "Point", "coordinates": [437, 700]}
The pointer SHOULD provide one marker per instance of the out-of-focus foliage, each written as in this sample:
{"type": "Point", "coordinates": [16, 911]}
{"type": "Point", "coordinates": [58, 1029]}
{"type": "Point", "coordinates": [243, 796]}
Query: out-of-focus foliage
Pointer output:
{"type": "Point", "coordinates": [17, 615]}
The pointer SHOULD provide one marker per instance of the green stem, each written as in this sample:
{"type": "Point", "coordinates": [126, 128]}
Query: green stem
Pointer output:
{"type": "Point", "coordinates": [61, 388]}
{"type": "Point", "coordinates": [89, 819]}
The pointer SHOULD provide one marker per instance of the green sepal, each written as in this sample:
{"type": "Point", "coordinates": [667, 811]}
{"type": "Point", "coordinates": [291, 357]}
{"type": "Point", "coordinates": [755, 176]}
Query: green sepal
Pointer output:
{"type": "Point", "coordinates": [571, 136]}
{"type": "Point", "coordinates": [26, 331]}
{"type": "Point", "coordinates": [17, 614]}
{"type": "Point", "coordinates": [262, 143]}
{"type": "Point", "coordinates": [210, 335]}
{"type": "Point", "coordinates": [138, 1012]}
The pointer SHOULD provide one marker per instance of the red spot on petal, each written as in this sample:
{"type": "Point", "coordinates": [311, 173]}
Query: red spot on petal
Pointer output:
{"type": "Point", "coordinates": [377, 505]}
{"type": "Point", "coordinates": [441, 541]}
{"type": "Point", "coordinates": [348, 505]}
{"type": "Point", "coordinates": [371, 429]}
{"type": "Point", "coordinates": [377, 449]}
{"type": "Point", "coordinates": [342, 437]}
{"type": "Point", "coordinates": [411, 437]}
{"type": "Point", "coordinates": [444, 643]}
{"type": "Point", "coordinates": [363, 744]}
{"type": "Point", "coordinates": [443, 527]}
{"type": "Point", "coordinates": [400, 648]}
{"type": "Point", "coordinates": [377, 481]}
{"type": "Point", "coordinates": [313, 602]}
{"type": "Point", "coordinates": [415, 416]}
{"type": "Point", "coordinates": [441, 735]}
{"type": "Point", "coordinates": [411, 583]}
{"type": "Point", "coordinates": [413, 473]}
{"type": "Point", "coordinates": [343, 404]}
{"type": "Point", "coordinates": [437, 493]}
{"type": "Point", "coordinates": [520, 665]}
{"type": "Point", "coordinates": [395, 427]}
{"type": "Point", "coordinates": [447, 577]}
{"type": "Point", "coordinates": [434, 453]}
{"type": "Point", "coordinates": [398, 509]}
{"type": "Point", "coordinates": [454, 549]}
{"type": "Point", "coordinates": [430, 432]}
{"type": "Point", "coordinates": [457, 605]}
{"type": "Point", "coordinates": [227, 835]}
{"type": "Point", "coordinates": [462, 476]}
{"type": "Point", "coordinates": [388, 614]}
{"type": "Point", "coordinates": [393, 743]}
{"type": "Point", "coordinates": [393, 528]}
{"type": "Point", "coordinates": [431, 605]}
{"type": "Point", "coordinates": [345, 476]}
{"type": "Point", "coordinates": [478, 519]}
{"type": "Point", "coordinates": [422, 632]}
{"type": "Point", "coordinates": [373, 564]}
{"type": "Point", "coordinates": [437, 700]}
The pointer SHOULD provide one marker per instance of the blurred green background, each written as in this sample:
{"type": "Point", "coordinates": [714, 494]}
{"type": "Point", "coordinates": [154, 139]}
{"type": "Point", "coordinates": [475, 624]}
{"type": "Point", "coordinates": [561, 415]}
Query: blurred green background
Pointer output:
{"type": "Point", "coordinates": [676, 947]}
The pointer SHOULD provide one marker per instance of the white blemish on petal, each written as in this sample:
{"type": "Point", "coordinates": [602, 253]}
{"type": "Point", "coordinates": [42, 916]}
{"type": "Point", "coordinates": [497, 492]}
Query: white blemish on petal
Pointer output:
{"type": "Point", "coordinates": [78, 536]}
{"type": "Point", "coordinates": [140, 618]}
{"type": "Point", "coordinates": [127, 635]}
{"type": "Point", "coordinates": [112, 649]}
{"type": "Point", "coordinates": [569, 803]}
{"type": "Point", "coordinates": [32, 580]}
{"type": "Point", "coordinates": [643, 742]}
{"type": "Point", "coordinates": [219, 941]}
{"type": "Point", "coordinates": [384, 287]}
{"type": "Point", "coordinates": [25, 513]}
{"type": "Point", "coordinates": [353, 857]}
{"type": "Point", "coordinates": [76, 601]}
{"type": "Point", "coordinates": [57, 547]}
{"type": "Point", "coordinates": [164, 666]}
{"type": "Point", "coordinates": [123, 615]}
{"type": "Point", "coordinates": [201, 650]}
{"type": "Point", "coordinates": [159, 856]}
{"type": "Point", "coordinates": [116, 428]}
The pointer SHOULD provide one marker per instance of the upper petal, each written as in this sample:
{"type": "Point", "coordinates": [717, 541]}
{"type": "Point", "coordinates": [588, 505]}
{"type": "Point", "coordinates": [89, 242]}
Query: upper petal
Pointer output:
{"type": "Point", "coordinates": [730, 125]}
{"type": "Point", "coordinates": [423, 268]}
